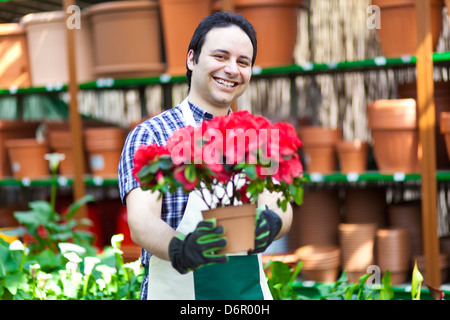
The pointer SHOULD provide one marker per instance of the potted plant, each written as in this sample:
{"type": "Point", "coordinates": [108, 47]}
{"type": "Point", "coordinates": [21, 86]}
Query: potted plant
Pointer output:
{"type": "Point", "coordinates": [240, 154]}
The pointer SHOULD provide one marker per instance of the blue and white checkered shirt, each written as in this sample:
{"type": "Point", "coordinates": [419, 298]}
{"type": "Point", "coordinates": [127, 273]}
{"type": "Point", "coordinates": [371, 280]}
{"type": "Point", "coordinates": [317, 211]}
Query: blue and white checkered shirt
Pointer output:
{"type": "Point", "coordinates": [157, 130]}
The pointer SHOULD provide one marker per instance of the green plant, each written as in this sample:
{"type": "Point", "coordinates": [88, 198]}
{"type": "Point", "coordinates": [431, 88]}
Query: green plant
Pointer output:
{"type": "Point", "coordinates": [70, 274]}
{"type": "Point", "coordinates": [42, 228]}
{"type": "Point", "coordinates": [281, 280]}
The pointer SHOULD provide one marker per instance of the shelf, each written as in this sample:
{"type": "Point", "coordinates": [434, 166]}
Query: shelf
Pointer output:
{"type": "Point", "coordinates": [290, 70]}
{"type": "Point", "coordinates": [62, 181]}
{"type": "Point", "coordinates": [368, 176]}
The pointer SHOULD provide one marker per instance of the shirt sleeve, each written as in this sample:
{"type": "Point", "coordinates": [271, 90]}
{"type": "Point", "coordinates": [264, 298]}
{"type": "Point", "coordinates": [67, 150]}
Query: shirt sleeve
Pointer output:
{"type": "Point", "coordinates": [137, 137]}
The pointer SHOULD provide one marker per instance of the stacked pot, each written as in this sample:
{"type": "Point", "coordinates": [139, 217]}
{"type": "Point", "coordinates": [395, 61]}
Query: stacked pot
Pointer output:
{"type": "Point", "coordinates": [393, 123]}
{"type": "Point", "coordinates": [408, 215]}
{"type": "Point", "coordinates": [319, 148]}
{"type": "Point", "coordinates": [316, 220]}
{"type": "Point", "coordinates": [357, 242]}
{"type": "Point", "coordinates": [104, 147]}
{"type": "Point", "coordinates": [393, 253]}
{"type": "Point", "coordinates": [365, 205]}
{"type": "Point", "coordinates": [320, 262]}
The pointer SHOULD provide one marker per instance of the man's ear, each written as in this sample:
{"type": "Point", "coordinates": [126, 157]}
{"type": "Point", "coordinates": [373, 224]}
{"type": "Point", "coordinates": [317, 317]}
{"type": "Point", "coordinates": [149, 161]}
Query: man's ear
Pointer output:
{"type": "Point", "coordinates": [190, 60]}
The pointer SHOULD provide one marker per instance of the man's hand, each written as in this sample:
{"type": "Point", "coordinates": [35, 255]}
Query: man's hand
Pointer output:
{"type": "Point", "coordinates": [267, 227]}
{"type": "Point", "coordinates": [188, 252]}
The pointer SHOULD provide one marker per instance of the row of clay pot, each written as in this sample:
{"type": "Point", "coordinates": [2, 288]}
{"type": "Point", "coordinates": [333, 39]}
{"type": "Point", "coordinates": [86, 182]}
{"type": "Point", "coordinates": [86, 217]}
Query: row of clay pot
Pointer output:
{"type": "Point", "coordinates": [323, 148]}
{"type": "Point", "coordinates": [122, 39]}
{"type": "Point", "coordinates": [103, 148]}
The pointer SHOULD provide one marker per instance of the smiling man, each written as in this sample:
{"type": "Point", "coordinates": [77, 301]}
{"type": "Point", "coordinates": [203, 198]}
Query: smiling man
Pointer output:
{"type": "Point", "coordinates": [178, 248]}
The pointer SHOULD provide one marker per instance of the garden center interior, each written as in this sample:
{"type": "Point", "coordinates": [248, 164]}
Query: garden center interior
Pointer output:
{"type": "Point", "coordinates": [79, 75]}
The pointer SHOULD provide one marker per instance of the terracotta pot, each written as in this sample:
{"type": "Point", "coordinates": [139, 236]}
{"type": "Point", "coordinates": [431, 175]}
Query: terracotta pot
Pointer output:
{"type": "Point", "coordinates": [397, 33]}
{"type": "Point", "coordinates": [393, 250]}
{"type": "Point", "coordinates": [11, 129]}
{"type": "Point", "coordinates": [320, 262]}
{"type": "Point", "coordinates": [60, 141]}
{"type": "Point", "coordinates": [442, 104]}
{"type": "Point", "coordinates": [27, 158]}
{"type": "Point", "coordinates": [239, 224]}
{"type": "Point", "coordinates": [127, 39]}
{"type": "Point", "coordinates": [357, 245]}
{"type": "Point", "coordinates": [179, 20]}
{"type": "Point", "coordinates": [275, 22]}
{"type": "Point", "coordinates": [408, 215]}
{"type": "Point", "coordinates": [445, 130]}
{"type": "Point", "coordinates": [15, 71]}
{"type": "Point", "coordinates": [316, 220]}
{"type": "Point", "coordinates": [46, 36]}
{"type": "Point", "coordinates": [365, 205]}
{"type": "Point", "coordinates": [352, 155]}
{"type": "Point", "coordinates": [395, 135]}
{"type": "Point", "coordinates": [319, 148]}
{"type": "Point", "coordinates": [104, 147]}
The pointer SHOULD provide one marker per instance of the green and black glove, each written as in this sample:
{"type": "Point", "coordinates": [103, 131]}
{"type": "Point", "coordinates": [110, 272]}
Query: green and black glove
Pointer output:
{"type": "Point", "coordinates": [267, 227]}
{"type": "Point", "coordinates": [188, 252]}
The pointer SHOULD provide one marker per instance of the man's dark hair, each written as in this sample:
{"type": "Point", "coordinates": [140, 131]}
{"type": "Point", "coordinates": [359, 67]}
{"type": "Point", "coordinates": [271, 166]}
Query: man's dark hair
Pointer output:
{"type": "Point", "coordinates": [218, 20]}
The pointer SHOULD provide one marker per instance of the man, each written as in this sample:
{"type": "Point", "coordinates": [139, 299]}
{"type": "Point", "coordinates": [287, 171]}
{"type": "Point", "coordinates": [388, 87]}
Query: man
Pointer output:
{"type": "Point", "coordinates": [179, 264]}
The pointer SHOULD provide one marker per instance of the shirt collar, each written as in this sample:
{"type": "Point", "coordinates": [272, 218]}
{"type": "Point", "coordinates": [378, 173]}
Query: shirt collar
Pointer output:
{"type": "Point", "coordinates": [200, 114]}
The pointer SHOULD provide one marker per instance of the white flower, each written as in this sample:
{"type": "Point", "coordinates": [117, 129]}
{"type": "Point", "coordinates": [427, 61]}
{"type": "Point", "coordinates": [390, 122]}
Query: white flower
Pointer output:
{"type": "Point", "coordinates": [16, 245]}
{"type": "Point", "coordinates": [106, 271]}
{"type": "Point", "coordinates": [54, 159]}
{"type": "Point", "coordinates": [134, 266]}
{"type": "Point", "coordinates": [71, 247]}
{"type": "Point", "coordinates": [34, 269]}
{"type": "Point", "coordinates": [89, 263]}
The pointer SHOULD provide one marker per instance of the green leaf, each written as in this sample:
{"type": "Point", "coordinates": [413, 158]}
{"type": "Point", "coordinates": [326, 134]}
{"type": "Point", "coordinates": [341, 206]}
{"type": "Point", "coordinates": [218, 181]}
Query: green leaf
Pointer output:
{"type": "Point", "coordinates": [416, 282]}
{"type": "Point", "coordinates": [190, 173]}
{"type": "Point", "coordinates": [74, 207]}
{"type": "Point", "coordinates": [386, 293]}
{"type": "Point", "coordinates": [15, 281]}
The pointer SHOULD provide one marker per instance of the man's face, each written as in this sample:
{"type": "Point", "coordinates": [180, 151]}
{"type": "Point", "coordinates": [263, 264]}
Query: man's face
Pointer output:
{"type": "Point", "coordinates": [224, 68]}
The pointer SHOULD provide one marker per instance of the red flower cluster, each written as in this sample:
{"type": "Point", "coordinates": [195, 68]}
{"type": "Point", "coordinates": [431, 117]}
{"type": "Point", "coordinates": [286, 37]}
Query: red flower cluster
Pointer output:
{"type": "Point", "coordinates": [220, 149]}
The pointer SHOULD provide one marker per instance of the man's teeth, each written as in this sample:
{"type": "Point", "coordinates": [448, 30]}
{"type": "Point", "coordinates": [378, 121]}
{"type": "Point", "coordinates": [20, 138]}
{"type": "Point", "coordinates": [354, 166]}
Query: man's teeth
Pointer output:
{"type": "Point", "coordinates": [225, 83]}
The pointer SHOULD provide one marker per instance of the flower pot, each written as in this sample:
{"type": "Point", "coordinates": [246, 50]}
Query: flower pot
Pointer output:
{"type": "Point", "coordinates": [395, 135]}
{"type": "Point", "coordinates": [15, 71]}
{"type": "Point", "coordinates": [352, 155]}
{"type": "Point", "coordinates": [127, 39]}
{"type": "Point", "coordinates": [320, 262]}
{"type": "Point", "coordinates": [319, 148]}
{"type": "Point", "coordinates": [104, 147]}
{"type": "Point", "coordinates": [316, 221]}
{"type": "Point", "coordinates": [357, 245]}
{"type": "Point", "coordinates": [408, 215]}
{"type": "Point", "coordinates": [27, 158]}
{"type": "Point", "coordinates": [393, 251]}
{"type": "Point", "coordinates": [11, 129]}
{"type": "Point", "coordinates": [179, 19]}
{"type": "Point", "coordinates": [239, 225]}
{"type": "Point", "coordinates": [398, 31]}
{"type": "Point", "coordinates": [46, 36]}
{"type": "Point", "coordinates": [445, 130]}
{"type": "Point", "coordinates": [60, 141]}
{"type": "Point", "coordinates": [442, 104]}
{"type": "Point", "coordinates": [365, 205]}
{"type": "Point", "coordinates": [275, 22]}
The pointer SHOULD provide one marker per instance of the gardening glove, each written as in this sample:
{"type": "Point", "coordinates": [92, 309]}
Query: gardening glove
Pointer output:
{"type": "Point", "coordinates": [267, 227]}
{"type": "Point", "coordinates": [188, 252]}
